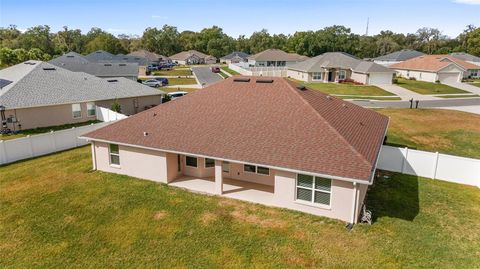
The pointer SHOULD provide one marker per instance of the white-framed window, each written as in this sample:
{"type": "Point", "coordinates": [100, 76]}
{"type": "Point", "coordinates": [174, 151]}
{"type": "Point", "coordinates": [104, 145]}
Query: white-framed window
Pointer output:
{"type": "Point", "coordinates": [249, 168]}
{"type": "Point", "coordinates": [114, 152]}
{"type": "Point", "coordinates": [91, 109]}
{"type": "Point", "coordinates": [315, 190]}
{"type": "Point", "coordinates": [225, 167]}
{"type": "Point", "coordinates": [342, 74]}
{"type": "Point", "coordinates": [76, 111]}
{"type": "Point", "coordinates": [317, 76]}
{"type": "Point", "coordinates": [209, 163]}
{"type": "Point", "coordinates": [191, 161]}
{"type": "Point", "coordinates": [263, 170]}
{"type": "Point", "coordinates": [256, 169]}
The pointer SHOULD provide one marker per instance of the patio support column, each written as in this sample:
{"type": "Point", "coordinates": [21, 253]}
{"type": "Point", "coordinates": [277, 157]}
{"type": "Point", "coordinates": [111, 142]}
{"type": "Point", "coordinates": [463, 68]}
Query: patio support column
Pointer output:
{"type": "Point", "coordinates": [218, 177]}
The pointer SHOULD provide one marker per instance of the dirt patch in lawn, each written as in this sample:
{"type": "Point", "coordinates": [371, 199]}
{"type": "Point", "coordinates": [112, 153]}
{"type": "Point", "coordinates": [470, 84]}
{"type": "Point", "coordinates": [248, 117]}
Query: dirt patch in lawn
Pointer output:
{"type": "Point", "coordinates": [160, 215]}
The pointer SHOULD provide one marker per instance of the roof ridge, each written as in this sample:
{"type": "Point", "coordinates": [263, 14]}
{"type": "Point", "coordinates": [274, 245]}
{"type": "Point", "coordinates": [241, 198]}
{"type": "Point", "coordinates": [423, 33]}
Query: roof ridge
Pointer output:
{"type": "Point", "coordinates": [37, 64]}
{"type": "Point", "coordinates": [329, 125]}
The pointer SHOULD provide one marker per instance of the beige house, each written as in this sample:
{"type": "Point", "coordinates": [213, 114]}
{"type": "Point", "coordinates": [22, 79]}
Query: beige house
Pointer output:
{"type": "Point", "coordinates": [263, 140]}
{"type": "Point", "coordinates": [275, 58]}
{"type": "Point", "coordinates": [37, 94]}
{"type": "Point", "coordinates": [338, 67]}
{"type": "Point", "coordinates": [193, 57]}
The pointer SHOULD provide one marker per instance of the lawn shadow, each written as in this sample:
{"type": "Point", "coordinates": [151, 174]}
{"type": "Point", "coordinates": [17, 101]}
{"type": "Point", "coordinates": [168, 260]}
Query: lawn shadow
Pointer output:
{"type": "Point", "coordinates": [394, 195]}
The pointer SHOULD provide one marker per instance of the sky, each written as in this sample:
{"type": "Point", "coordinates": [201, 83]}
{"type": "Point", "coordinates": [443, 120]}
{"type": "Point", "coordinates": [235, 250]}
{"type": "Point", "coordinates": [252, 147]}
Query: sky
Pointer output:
{"type": "Point", "coordinates": [243, 17]}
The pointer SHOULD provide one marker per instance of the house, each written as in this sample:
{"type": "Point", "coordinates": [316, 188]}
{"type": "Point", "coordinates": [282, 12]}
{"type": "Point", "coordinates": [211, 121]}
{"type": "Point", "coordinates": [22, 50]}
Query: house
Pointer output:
{"type": "Point", "coordinates": [152, 57]}
{"type": "Point", "coordinates": [235, 57]}
{"type": "Point", "coordinates": [259, 139]}
{"type": "Point", "coordinates": [78, 63]}
{"type": "Point", "coordinates": [472, 73]}
{"type": "Point", "coordinates": [397, 57]}
{"type": "Point", "coordinates": [275, 58]}
{"type": "Point", "coordinates": [340, 66]}
{"type": "Point", "coordinates": [193, 57]}
{"type": "Point", "coordinates": [39, 94]}
{"type": "Point", "coordinates": [442, 68]}
{"type": "Point", "coordinates": [101, 56]}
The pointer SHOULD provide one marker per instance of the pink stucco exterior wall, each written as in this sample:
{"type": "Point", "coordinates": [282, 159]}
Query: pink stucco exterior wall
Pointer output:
{"type": "Point", "coordinates": [128, 104]}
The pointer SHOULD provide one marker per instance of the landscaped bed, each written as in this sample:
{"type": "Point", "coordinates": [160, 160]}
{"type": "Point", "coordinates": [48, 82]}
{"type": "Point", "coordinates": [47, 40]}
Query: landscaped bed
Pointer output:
{"type": "Point", "coordinates": [42, 130]}
{"type": "Point", "coordinates": [423, 87]}
{"type": "Point", "coordinates": [346, 89]}
{"type": "Point", "coordinates": [445, 131]}
{"type": "Point", "coordinates": [181, 81]}
{"type": "Point", "coordinates": [55, 212]}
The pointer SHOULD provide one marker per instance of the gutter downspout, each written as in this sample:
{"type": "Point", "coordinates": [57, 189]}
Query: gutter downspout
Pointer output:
{"type": "Point", "coordinates": [354, 204]}
{"type": "Point", "coordinates": [94, 156]}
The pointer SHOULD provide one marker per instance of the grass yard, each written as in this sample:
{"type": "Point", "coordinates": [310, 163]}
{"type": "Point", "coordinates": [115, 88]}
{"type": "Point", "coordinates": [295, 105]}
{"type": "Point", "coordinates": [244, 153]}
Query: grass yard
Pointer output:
{"type": "Point", "coordinates": [346, 89]}
{"type": "Point", "coordinates": [223, 75]}
{"type": "Point", "coordinates": [458, 96]}
{"type": "Point", "coordinates": [181, 81]}
{"type": "Point", "coordinates": [357, 97]}
{"type": "Point", "coordinates": [55, 212]}
{"type": "Point", "coordinates": [179, 89]}
{"type": "Point", "coordinates": [46, 130]}
{"type": "Point", "coordinates": [423, 87]}
{"type": "Point", "coordinates": [230, 71]}
{"type": "Point", "coordinates": [173, 72]}
{"type": "Point", "coordinates": [445, 131]}
{"type": "Point", "coordinates": [475, 84]}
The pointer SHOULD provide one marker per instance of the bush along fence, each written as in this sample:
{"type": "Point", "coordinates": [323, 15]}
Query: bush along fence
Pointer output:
{"type": "Point", "coordinates": [432, 165]}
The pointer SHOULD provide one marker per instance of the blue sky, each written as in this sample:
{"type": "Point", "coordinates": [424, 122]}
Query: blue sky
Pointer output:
{"type": "Point", "coordinates": [243, 16]}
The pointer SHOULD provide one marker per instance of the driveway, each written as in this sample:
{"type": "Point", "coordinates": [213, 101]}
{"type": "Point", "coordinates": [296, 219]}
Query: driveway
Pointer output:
{"type": "Point", "coordinates": [205, 76]}
{"type": "Point", "coordinates": [465, 87]}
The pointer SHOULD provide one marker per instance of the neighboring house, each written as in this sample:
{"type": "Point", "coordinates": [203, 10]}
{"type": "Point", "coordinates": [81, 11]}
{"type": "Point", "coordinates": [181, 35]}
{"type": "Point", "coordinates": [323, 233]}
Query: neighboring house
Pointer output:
{"type": "Point", "coordinates": [397, 57]}
{"type": "Point", "coordinates": [340, 66]}
{"type": "Point", "coordinates": [78, 63]}
{"type": "Point", "coordinates": [39, 94]}
{"type": "Point", "coordinates": [279, 143]}
{"type": "Point", "coordinates": [101, 56]}
{"type": "Point", "coordinates": [473, 73]}
{"type": "Point", "coordinates": [193, 57]}
{"type": "Point", "coordinates": [152, 58]}
{"type": "Point", "coordinates": [443, 68]}
{"type": "Point", "coordinates": [275, 58]}
{"type": "Point", "coordinates": [235, 57]}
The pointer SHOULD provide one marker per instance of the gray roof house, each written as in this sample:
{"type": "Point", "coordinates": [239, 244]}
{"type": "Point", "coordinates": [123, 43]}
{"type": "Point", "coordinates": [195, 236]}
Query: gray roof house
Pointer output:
{"type": "Point", "coordinates": [150, 56]}
{"type": "Point", "coordinates": [275, 58]}
{"type": "Point", "coordinates": [466, 57]}
{"type": "Point", "coordinates": [397, 57]}
{"type": "Point", "coordinates": [78, 63]}
{"type": "Point", "coordinates": [101, 56]}
{"type": "Point", "coordinates": [338, 67]}
{"type": "Point", "coordinates": [39, 94]}
{"type": "Point", "coordinates": [235, 57]}
{"type": "Point", "coordinates": [193, 57]}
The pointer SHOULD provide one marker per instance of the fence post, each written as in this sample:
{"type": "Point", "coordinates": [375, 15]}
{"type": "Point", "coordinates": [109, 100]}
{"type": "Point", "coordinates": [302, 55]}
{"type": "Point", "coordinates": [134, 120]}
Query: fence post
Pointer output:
{"type": "Point", "coordinates": [435, 165]}
{"type": "Point", "coordinates": [405, 156]}
{"type": "Point", "coordinates": [3, 152]}
{"type": "Point", "coordinates": [29, 138]}
{"type": "Point", "coordinates": [54, 142]}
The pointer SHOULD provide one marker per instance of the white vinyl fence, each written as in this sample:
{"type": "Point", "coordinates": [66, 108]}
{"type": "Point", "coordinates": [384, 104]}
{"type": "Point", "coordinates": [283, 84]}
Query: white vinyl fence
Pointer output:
{"type": "Point", "coordinates": [270, 71]}
{"type": "Point", "coordinates": [41, 144]}
{"type": "Point", "coordinates": [106, 115]}
{"type": "Point", "coordinates": [431, 165]}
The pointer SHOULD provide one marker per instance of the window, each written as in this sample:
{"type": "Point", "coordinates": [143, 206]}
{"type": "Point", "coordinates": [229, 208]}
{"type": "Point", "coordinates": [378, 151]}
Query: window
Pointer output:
{"type": "Point", "coordinates": [225, 167]}
{"type": "Point", "coordinates": [263, 170]}
{"type": "Point", "coordinates": [270, 63]}
{"type": "Point", "coordinates": [114, 154]}
{"type": "Point", "coordinates": [191, 161]}
{"type": "Point", "coordinates": [209, 163]}
{"type": "Point", "coordinates": [342, 74]}
{"type": "Point", "coordinates": [317, 76]}
{"type": "Point", "coordinates": [249, 168]}
{"type": "Point", "coordinates": [91, 109]}
{"type": "Point", "coordinates": [76, 111]}
{"type": "Point", "coordinates": [315, 190]}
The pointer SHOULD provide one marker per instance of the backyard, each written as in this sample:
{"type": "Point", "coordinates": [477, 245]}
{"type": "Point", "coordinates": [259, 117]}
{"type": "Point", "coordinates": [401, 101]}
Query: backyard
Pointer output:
{"type": "Point", "coordinates": [423, 87]}
{"type": "Point", "coordinates": [346, 89]}
{"type": "Point", "coordinates": [445, 131]}
{"type": "Point", "coordinates": [46, 129]}
{"type": "Point", "coordinates": [56, 212]}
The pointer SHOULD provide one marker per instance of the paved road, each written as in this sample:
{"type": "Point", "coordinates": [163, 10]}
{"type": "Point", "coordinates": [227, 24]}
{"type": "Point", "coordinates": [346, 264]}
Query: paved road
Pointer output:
{"type": "Point", "coordinates": [205, 75]}
{"type": "Point", "coordinates": [457, 102]}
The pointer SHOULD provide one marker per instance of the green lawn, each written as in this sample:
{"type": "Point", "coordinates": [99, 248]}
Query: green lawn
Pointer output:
{"type": "Point", "coordinates": [356, 97]}
{"type": "Point", "coordinates": [173, 72]}
{"type": "Point", "coordinates": [46, 130]}
{"type": "Point", "coordinates": [56, 213]}
{"type": "Point", "coordinates": [423, 87]}
{"type": "Point", "coordinates": [179, 89]}
{"type": "Point", "coordinates": [346, 89]}
{"type": "Point", "coordinates": [475, 84]}
{"type": "Point", "coordinates": [181, 81]}
{"type": "Point", "coordinates": [445, 131]}
{"type": "Point", "coordinates": [458, 96]}
{"type": "Point", "coordinates": [224, 76]}
{"type": "Point", "coordinates": [230, 71]}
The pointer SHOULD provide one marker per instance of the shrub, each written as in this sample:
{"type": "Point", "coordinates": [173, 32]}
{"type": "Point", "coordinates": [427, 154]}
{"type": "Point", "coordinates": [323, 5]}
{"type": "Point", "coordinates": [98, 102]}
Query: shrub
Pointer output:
{"type": "Point", "coordinates": [116, 106]}
{"type": "Point", "coordinates": [412, 78]}
{"type": "Point", "coordinates": [437, 81]}
{"type": "Point", "coordinates": [395, 80]}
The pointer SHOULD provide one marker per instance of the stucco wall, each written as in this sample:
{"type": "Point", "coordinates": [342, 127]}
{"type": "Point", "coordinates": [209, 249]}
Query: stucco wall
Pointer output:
{"type": "Point", "coordinates": [199, 171]}
{"type": "Point", "coordinates": [422, 76]}
{"type": "Point", "coordinates": [135, 162]}
{"type": "Point", "coordinates": [236, 172]}
{"type": "Point", "coordinates": [172, 167]}
{"type": "Point", "coordinates": [127, 104]}
{"type": "Point", "coordinates": [298, 75]}
{"type": "Point", "coordinates": [340, 204]}
{"type": "Point", "coordinates": [362, 78]}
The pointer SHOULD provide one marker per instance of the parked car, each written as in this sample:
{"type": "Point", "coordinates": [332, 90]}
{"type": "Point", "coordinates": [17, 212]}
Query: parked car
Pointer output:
{"type": "Point", "coordinates": [152, 83]}
{"type": "Point", "coordinates": [153, 67]}
{"type": "Point", "coordinates": [175, 95]}
{"type": "Point", "coordinates": [215, 69]}
{"type": "Point", "coordinates": [164, 81]}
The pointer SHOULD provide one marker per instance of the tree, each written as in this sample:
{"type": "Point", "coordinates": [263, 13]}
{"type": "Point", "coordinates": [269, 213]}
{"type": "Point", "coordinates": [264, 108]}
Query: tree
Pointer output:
{"type": "Point", "coordinates": [242, 44]}
{"type": "Point", "coordinates": [69, 40]}
{"type": "Point", "coordinates": [38, 54]}
{"type": "Point", "coordinates": [7, 57]}
{"type": "Point", "coordinates": [473, 42]}
{"type": "Point", "coordinates": [163, 41]}
{"type": "Point", "coordinates": [106, 42]}
{"type": "Point", "coordinates": [260, 41]}
{"type": "Point", "coordinates": [21, 55]}
{"type": "Point", "coordinates": [9, 36]}
{"type": "Point", "coordinates": [116, 106]}
{"type": "Point", "coordinates": [37, 37]}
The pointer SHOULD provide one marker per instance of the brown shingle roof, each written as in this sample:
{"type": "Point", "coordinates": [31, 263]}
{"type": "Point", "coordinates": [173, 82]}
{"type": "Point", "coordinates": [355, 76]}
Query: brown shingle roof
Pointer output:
{"type": "Point", "coordinates": [432, 63]}
{"type": "Point", "coordinates": [181, 56]}
{"type": "Point", "coordinates": [277, 55]}
{"type": "Point", "coordinates": [272, 124]}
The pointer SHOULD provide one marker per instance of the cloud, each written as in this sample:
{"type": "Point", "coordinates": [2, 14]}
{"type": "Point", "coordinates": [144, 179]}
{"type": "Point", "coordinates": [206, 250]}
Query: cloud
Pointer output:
{"type": "Point", "coordinates": [115, 30]}
{"type": "Point", "coordinates": [159, 17]}
{"type": "Point", "coordinates": [468, 2]}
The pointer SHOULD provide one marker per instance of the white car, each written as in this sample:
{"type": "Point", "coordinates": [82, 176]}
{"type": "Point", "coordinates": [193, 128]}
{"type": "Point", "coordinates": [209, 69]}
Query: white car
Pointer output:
{"type": "Point", "coordinates": [175, 95]}
{"type": "Point", "coordinates": [152, 83]}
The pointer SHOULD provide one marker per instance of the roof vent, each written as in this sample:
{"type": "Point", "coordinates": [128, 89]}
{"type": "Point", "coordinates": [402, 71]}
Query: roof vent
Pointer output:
{"type": "Point", "coordinates": [107, 64]}
{"type": "Point", "coordinates": [4, 82]}
{"type": "Point", "coordinates": [264, 81]}
{"type": "Point", "coordinates": [301, 87]}
{"type": "Point", "coordinates": [49, 68]}
{"type": "Point", "coordinates": [154, 114]}
{"type": "Point", "coordinates": [70, 56]}
{"type": "Point", "coordinates": [112, 80]}
{"type": "Point", "coordinates": [145, 133]}
{"type": "Point", "coordinates": [122, 65]}
{"type": "Point", "coordinates": [241, 79]}
{"type": "Point", "coordinates": [329, 97]}
{"type": "Point", "coordinates": [30, 63]}
{"type": "Point", "coordinates": [344, 105]}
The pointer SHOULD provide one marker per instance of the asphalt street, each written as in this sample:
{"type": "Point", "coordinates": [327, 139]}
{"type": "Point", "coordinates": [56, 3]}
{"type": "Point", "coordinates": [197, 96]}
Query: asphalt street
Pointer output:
{"type": "Point", "coordinates": [205, 75]}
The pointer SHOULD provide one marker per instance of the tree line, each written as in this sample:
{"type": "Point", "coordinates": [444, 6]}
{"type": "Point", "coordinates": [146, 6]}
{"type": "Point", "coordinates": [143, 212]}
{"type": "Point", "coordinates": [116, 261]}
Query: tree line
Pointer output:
{"type": "Point", "coordinates": [40, 43]}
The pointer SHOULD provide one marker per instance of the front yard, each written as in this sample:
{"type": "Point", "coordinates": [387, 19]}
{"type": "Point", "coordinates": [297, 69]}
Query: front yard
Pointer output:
{"type": "Point", "coordinates": [423, 87]}
{"type": "Point", "coordinates": [445, 131]}
{"type": "Point", "coordinates": [346, 89]}
{"type": "Point", "coordinates": [230, 71]}
{"type": "Point", "coordinates": [173, 72]}
{"type": "Point", "coordinates": [181, 81]}
{"type": "Point", "coordinates": [55, 212]}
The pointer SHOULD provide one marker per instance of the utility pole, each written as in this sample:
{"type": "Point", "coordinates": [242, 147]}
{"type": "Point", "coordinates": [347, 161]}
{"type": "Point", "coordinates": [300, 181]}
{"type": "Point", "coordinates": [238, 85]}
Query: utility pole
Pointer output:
{"type": "Point", "coordinates": [368, 20]}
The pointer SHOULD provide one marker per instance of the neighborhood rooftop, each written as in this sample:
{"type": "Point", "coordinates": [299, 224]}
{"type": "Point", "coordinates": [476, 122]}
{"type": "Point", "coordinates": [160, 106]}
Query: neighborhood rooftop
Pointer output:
{"type": "Point", "coordinates": [265, 121]}
{"type": "Point", "coordinates": [277, 55]}
{"type": "Point", "coordinates": [150, 56]}
{"type": "Point", "coordinates": [399, 56]}
{"type": "Point", "coordinates": [433, 63]}
{"type": "Point", "coordinates": [466, 57]}
{"type": "Point", "coordinates": [36, 83]}
{"type": "Point", "coordinates": [101, 56]}
{"type": "Point", "coordinates": [235, 54]}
